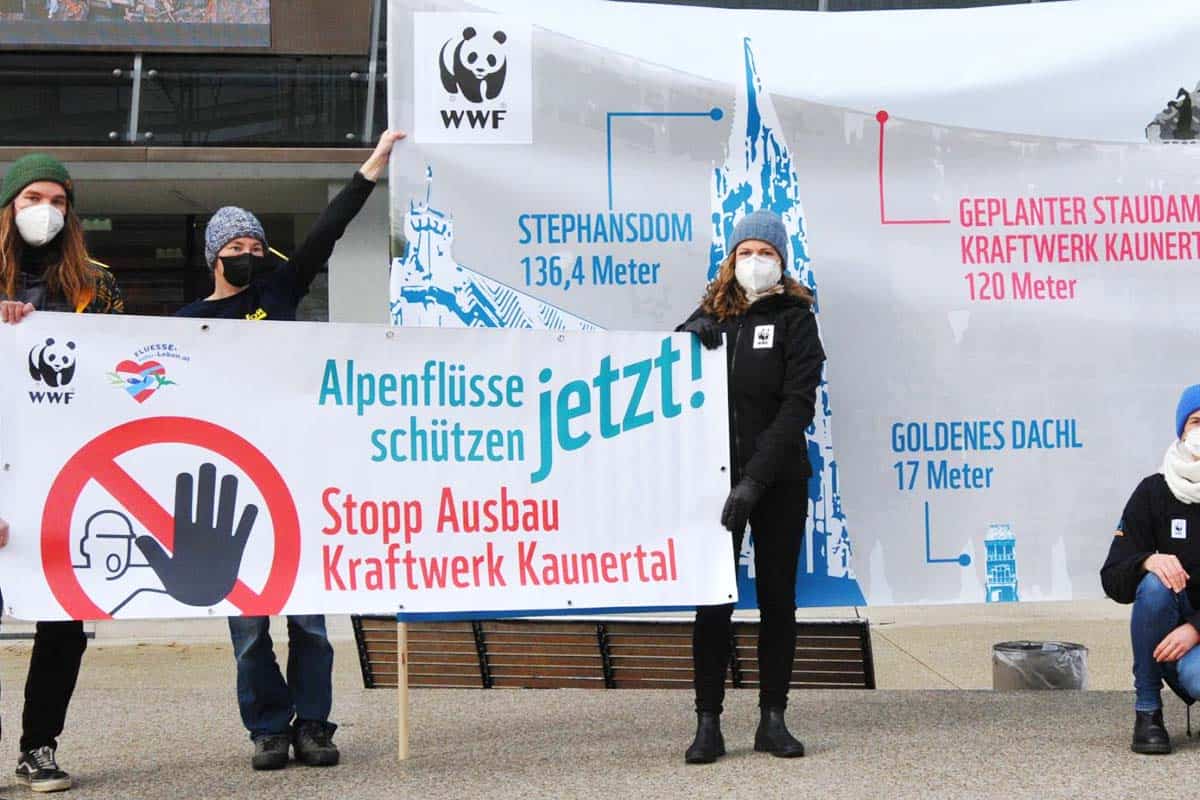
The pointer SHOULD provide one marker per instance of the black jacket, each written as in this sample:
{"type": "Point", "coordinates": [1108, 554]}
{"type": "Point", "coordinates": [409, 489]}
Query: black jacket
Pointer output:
{"type": "Point", "coordinates": [1154, 521]}
{"type": "Point", "coordinates": [105, 297]}
{"type": "Point", "coordinates": [774, 357]}
{"type": "Point", "coordinates": [277, 295]}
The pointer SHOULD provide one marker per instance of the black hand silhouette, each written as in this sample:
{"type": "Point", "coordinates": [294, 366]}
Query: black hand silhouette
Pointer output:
{"type": "Point", "coordinates": [207, 557]}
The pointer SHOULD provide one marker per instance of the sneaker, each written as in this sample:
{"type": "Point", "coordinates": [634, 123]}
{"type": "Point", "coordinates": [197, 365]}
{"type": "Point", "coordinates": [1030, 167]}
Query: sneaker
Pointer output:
{"type": "Point", "coordinates": [38, 769]}
{"type": "Point", "coordinates": [270, 752]}
{"type": "Point", "coordinates": [313, 742]}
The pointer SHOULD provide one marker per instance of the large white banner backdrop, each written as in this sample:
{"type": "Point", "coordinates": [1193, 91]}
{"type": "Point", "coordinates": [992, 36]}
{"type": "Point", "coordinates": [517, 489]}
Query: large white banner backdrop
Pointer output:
{"type": "Point", "coordinates": [1008, 316]}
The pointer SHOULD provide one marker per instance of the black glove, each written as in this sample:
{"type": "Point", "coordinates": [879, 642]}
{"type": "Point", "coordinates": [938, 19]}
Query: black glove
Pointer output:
{"type": "Point", "coordinates": [206, 555]}
{"type": "Point", "coordinates": [707, 330]}
{"type": "Point", "coordinates": [741, 501]}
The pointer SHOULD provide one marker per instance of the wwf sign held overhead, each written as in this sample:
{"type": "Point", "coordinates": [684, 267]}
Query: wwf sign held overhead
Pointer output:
{"type": "Point", "coordinates": [472, 78]}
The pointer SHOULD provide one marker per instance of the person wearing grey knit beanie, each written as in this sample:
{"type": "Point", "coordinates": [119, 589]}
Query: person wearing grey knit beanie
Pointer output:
{"type": "Point", "coordinates": [253, 282]}
{"type": "Point", "coordinates": [775, 360]}
{"type": "Point", "coordinates": [233, 231]}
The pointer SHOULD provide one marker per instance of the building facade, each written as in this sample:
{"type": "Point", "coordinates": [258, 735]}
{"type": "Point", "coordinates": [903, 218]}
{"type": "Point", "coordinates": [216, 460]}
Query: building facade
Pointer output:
{"type": "Point", "coordinates": [165, 110]}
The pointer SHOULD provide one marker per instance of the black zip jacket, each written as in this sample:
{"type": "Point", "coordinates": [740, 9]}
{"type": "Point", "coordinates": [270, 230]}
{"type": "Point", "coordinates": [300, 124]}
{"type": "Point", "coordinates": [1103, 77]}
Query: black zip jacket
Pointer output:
{"type": "Point", "coordinates": [774, 357]}
{"type": "Point", "coordinates": [105, 297]}
{"type": "Point", "coordinates": [277, 295]}
{"type": "Point", "coordinates": [1154, 521]}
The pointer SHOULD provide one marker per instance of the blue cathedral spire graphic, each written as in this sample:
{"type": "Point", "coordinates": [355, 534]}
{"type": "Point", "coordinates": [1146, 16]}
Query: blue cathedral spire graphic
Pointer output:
{"type": "Point", "coordinates": [759, 173]}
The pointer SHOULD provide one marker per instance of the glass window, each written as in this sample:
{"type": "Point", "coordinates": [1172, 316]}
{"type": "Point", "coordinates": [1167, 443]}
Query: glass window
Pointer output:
{"type": "Point", "coordinates": [267, 101]}
{"type": "Point", "coordinates": [65, 99]}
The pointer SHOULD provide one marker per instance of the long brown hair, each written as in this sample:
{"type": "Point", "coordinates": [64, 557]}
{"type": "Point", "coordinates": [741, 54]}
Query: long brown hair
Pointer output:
{"type": "Point", "coordinates": [725, 297]}
{"type": "Point", "coordinates": [72, 277]}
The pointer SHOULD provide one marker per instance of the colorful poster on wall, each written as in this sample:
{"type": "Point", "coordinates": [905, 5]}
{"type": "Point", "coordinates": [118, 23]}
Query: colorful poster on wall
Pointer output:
{"type": "Point", "coordinates": [136, 23]}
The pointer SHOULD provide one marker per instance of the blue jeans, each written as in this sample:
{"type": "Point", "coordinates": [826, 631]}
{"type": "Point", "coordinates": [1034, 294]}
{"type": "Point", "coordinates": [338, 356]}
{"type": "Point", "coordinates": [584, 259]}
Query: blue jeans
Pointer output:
{"type": "Point", "coordinates": [1156, 612]}
{"type": "Point", "coordinates": [267, 704]}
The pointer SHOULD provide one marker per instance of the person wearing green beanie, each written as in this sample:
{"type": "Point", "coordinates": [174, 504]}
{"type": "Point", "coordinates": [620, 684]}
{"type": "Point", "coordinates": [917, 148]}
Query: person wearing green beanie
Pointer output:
{"type": "Point", "coordinates": [44, 262]}
{"type": "Point", "coordinates": [33, 168]}
{"type": "Point", "coordinates": [44, 265]}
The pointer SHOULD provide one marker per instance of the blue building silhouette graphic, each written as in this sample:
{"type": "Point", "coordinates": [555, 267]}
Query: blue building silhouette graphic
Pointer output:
{"type": "Point", "coordinates": [760, 172]}
{"type": "Point", "coordinates": [1001, 564]}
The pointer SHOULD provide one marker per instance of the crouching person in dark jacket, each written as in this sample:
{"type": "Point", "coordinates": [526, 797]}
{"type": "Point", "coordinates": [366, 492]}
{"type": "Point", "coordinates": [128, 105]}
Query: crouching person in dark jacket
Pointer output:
{"type": "Point", "coordinates": [775, 359]}
{"type": "Point", "coordinates": [1154, 551]}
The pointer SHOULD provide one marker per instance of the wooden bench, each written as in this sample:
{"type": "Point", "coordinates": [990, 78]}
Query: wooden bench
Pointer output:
{"type": "Point", "coordinates": [598, 653]}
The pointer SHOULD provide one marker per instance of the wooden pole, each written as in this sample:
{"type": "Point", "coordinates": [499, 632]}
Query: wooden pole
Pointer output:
{"type": "Point", "coordinates": [402, 687]}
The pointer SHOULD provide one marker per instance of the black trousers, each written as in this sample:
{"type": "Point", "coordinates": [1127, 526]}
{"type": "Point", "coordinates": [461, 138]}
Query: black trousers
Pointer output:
{"type": "Point", "coordinates": [778, 526]}
{"type": "Point", "coordinates": [53, 669]}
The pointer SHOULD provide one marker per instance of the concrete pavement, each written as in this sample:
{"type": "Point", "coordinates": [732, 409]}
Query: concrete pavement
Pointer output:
{"type": "Point", "coordinates": [155, 717]}
{"type": "Point", "coordinates": [159, 722]}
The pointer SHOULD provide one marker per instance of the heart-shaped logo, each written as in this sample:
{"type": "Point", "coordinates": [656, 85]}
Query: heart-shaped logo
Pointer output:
{"type": "Point", "coordinates": [142, 379]}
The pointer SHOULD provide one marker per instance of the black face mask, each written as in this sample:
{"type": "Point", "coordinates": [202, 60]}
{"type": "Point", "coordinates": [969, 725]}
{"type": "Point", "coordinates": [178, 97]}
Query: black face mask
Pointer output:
{"type": "Point", "coordinates": [241, 270]}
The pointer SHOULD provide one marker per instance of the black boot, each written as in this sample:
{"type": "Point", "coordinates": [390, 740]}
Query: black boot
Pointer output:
{"type": "Point", "coordinates": [1150, 736]}
{"type": "Point", "coordinates": [709, 744]}
{"type": "Point", "coordinates": [773, 736]}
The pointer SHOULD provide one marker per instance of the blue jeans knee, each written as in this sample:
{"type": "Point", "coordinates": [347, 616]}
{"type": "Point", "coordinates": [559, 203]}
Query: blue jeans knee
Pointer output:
{"type": "Point", "coordinates": [1153, 594]}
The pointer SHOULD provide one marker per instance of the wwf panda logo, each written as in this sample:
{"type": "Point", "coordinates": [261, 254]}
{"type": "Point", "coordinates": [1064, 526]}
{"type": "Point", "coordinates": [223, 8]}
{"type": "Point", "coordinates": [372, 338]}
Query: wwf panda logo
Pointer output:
{"type": "Point", "coordinates": [52, 364]}
{"type": "Point", "coordinates": [474, 65]}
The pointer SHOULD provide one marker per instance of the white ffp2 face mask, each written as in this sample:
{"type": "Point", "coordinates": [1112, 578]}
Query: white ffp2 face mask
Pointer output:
{"type": "Point", "coordinates": [39, 224]}
{"type": "Point", "coordinates": [1191, 442]}
{"type": "Point", "coordinates": [757, 274]}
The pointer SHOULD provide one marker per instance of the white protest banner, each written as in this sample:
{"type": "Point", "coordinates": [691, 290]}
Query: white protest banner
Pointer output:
{"type": "Point", "coordinates": [173, 468]}
{"type": "Point", "coordinates": [1005, 313]}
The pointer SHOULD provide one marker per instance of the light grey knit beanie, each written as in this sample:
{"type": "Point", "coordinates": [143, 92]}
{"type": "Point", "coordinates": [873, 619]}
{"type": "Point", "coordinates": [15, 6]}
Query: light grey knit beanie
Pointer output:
{"type": "Point", "coordinates": [766, 226]}
{"type": "Point", "coordinates": [227, 224]}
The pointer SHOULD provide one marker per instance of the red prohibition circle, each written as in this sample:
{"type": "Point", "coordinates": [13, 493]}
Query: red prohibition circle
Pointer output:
{"type": "Point", "coordinates": [96, 461]}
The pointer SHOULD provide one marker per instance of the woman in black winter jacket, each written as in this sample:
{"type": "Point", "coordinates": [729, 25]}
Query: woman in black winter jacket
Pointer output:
{"type": "Point", "coordinates": [774, 359]}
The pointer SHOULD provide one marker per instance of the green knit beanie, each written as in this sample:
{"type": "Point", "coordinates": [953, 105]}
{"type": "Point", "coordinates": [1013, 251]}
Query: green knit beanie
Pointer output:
{"type": "Point", "coordinates": [31, 169]}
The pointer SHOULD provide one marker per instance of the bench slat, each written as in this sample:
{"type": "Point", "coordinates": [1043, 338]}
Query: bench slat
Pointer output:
{"type": "Point", "coordinates": [622, 653]}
